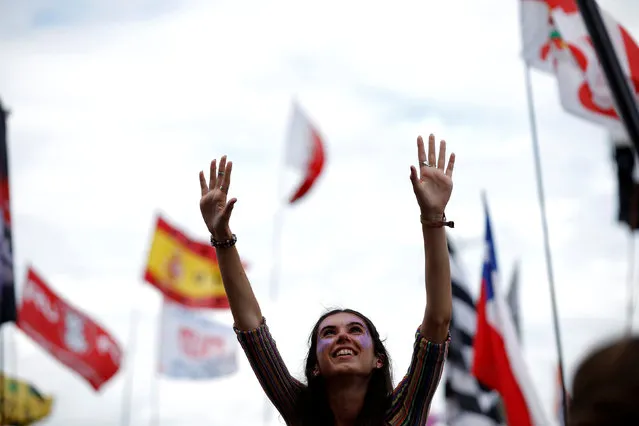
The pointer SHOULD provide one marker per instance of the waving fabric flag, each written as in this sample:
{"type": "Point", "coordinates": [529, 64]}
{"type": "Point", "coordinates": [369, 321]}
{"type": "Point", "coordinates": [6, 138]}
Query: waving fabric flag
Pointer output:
{"type": "Point", "coordinates": [184, 270]}
{"type": "Point", "coordinates": [468, 402]}
{"type": "Point", "coordinates": [195, 347]}
{"type": "Point", "coordinates": [555, 39]}
{"type": "Point", "coordinates": [304, 151]}
{"type": "Point", "coordinates": [67, 334]}
{"type": "Point", "coordinates": [7, 280]}
{"type": "Point", "coordinates": [498, 360]}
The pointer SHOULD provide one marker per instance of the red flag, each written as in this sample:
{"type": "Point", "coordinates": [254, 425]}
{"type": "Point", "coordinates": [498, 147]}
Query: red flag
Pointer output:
{"type": "Point", "coordinates": [304, 151]}
{"type": "Point", "coordinates": [67, 334]}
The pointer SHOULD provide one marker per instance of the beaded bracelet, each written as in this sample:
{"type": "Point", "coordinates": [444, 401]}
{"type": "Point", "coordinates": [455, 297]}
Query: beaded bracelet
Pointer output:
{"type": "Point", "coordinates": [437, 223]}
{"type": "Point", "coordinates": [225, 243]}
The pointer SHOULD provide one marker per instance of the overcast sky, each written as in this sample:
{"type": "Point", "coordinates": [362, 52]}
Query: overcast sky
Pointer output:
{"type": "Point", "coordinates": [116, 106]}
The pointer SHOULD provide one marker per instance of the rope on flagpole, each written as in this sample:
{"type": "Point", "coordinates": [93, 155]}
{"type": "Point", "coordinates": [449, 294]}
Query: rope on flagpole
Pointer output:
{"type": "Point", "coordinates": [546, 238]}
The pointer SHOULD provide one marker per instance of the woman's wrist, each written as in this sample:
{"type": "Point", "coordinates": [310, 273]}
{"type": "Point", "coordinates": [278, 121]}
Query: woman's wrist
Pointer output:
{"type": "Point", "coordinates": [435, 219]}
{"type": "Point", "coordinates": [222, 234]}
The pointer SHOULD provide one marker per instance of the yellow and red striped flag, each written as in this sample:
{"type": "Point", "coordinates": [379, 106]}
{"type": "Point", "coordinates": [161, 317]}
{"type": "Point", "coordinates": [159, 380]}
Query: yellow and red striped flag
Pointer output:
{"type": "Point", "coordinates": [184, 270]}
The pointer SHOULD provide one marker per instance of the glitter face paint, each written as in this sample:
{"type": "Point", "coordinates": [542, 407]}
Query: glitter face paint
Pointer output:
{"type": "Point", "coordinates": [364, 340]}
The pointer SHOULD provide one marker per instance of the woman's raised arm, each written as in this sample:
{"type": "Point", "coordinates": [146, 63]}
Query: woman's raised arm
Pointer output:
{"type": "Point", "coordinates": [216, 212]}
{"type": "Point", "coordinates": [433, 187]}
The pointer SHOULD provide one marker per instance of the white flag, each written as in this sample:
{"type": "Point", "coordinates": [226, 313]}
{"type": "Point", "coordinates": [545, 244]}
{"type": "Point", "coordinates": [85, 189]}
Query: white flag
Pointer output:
{"type": "Point", "coordinates": [194, 347]}
{"type": "Point", "coordinates": [305, 151]}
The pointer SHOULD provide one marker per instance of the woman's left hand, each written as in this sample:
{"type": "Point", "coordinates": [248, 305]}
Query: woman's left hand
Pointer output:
{"type": "Point", "coordinates": [434, 184]}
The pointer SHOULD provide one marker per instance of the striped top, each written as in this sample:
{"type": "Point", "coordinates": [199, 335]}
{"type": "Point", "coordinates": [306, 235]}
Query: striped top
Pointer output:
{"type": "Point", "coordinates": [411, 398]}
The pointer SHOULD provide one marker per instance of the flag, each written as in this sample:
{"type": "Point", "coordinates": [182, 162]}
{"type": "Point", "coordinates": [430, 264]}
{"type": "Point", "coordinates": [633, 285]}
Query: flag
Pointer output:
{"type": "Point", "coordinates": [67, 334]}
{"type": "Point", "coordinates": [7, 286]}
{"type": "Point", "coordinates": [513, 302]}
{"type": "Point", "coordinates": [184, 270]}
{"type": "Point", "coordinates": [468, 402]}
{"type": "Point", "coordinates": [23, 403]}
{"type": "Point", "coordinates": [194, 347]}
{"type": "Point", "coordinates": [498, 360]}
{"type": "Point", "coordinates": [537, 34]}
{"type": "Point", "coordinates": [304, 151]}
{"type": "Point", "coordinates": [555, 38]}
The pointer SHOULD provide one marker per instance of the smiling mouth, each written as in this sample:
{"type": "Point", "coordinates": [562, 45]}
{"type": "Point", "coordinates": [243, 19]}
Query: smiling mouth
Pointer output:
{"type": "Point", "coordinates": [344, 353]}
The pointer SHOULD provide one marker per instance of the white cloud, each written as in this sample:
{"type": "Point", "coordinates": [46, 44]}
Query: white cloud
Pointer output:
{"type": "Point", "coordinates": [115, 113]}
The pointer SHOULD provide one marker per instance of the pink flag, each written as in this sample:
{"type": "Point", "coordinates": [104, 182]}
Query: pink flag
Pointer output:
{"type": "Point", "coordinates": [304, 151]}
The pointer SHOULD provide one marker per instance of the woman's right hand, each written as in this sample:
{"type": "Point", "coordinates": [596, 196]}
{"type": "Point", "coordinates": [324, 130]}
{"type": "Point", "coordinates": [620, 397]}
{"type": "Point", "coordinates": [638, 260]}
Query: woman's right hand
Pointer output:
{"type": "Point", "coordinates": [216, 211]}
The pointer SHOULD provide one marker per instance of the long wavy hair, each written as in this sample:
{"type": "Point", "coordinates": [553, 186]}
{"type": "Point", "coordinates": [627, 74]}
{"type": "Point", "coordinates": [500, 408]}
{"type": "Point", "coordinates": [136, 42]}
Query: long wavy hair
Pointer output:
{"type": "Point", "coordinates": [314, 409]}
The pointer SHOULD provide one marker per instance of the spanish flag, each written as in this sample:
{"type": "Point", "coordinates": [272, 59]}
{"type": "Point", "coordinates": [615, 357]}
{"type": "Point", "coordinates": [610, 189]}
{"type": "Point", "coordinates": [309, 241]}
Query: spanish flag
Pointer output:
{"type": "Point", "coordinates": [184, 270]}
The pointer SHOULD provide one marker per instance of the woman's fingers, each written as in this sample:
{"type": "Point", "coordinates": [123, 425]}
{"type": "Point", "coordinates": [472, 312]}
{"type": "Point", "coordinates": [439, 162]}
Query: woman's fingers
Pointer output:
{"type": "Point", "coordinates": [421, 154]}
{"type": "Point", "coordinates": [228, 209]}
{"type": "Point", "coordinates": [451, 165]}
{"type": "Point", "coordinates": [225, 182]}
{"type": "Point", "coordinates": [212, 178]}
{"type": "Point", "coordinates": [431, 151]}
{"type": "Point", "coordinates": [203, 185]}
{"type": "Point", "coordinates": [441, 161]}
{"type": "Point", "coordinates": [220, 170]}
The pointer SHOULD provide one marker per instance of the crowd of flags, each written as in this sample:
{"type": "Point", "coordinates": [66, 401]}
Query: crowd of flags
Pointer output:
{"type": "Point", "coordinates": [183, 269]}
{"type": "Point", "coordinates": [487, 381]}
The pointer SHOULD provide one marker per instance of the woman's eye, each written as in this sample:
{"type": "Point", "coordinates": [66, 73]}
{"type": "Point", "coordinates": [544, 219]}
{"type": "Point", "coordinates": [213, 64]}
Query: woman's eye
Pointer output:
{"type": "Point", "coordinates": [356, 330]}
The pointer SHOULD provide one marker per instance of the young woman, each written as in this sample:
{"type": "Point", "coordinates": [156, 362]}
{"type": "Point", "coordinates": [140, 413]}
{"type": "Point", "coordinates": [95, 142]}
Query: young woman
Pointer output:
{"type": "Point", "coordinates": [348, 377]}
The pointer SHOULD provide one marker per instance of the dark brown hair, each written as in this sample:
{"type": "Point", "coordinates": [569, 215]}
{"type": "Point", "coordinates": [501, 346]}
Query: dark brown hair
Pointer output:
{"type": "Point", "coordinates": [314, 409]}
{"type": "Point", "coordinates": [606, 386]}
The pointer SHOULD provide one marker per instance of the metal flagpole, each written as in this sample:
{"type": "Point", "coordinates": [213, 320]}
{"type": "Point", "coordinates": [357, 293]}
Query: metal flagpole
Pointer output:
{"type": "Point", "coordinates": [154, 419]}
{"type": "Point", "coordinates": [127, 393]}
{"type": "Point", "coordinates": [630, 307]}
{"type": "Point", "coordinates": [546, 238]}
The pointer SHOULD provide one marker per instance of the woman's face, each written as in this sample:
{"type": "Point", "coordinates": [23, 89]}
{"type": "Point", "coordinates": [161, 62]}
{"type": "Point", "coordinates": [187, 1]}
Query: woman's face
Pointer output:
{"type": "Point", "coordinates": [345, 346]}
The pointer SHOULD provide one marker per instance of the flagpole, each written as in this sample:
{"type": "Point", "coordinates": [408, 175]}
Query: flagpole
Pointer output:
{"type": "Point", "coordinates": [127, 393]}
{"type": "Point", "coordinates": [276, 250]}
{"type": "Point", "coordinates": [630, 300]}
{"type": "Point", "coordinates": [544, 225]}
{"type": "Point", "coordinates": [154, 419]}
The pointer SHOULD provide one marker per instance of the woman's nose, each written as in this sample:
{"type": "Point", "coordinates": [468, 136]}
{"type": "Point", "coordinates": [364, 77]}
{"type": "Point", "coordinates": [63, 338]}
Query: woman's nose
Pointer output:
{"type": "Point", "coordinates": [342, 336]}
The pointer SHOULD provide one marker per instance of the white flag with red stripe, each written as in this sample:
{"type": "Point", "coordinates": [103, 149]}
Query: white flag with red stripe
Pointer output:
{"type": "Point", "coordinates": [305, 152]}
{"type": "Point", "coordinates": [555, 38]}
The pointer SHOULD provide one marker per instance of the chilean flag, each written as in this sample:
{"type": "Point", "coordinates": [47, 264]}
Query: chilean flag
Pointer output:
{"type": "Point", "coordinates": [304, 151]}
{"type": "Point", "coordinates": [498, 360]}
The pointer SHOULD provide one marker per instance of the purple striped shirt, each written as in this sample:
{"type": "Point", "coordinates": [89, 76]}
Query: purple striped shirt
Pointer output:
{"type": "Point", "coordinates": [411, 398]}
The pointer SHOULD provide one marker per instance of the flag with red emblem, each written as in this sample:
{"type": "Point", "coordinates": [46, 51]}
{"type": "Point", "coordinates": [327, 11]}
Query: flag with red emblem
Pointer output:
{"type": "Point", "coordinates": [183, 269]}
